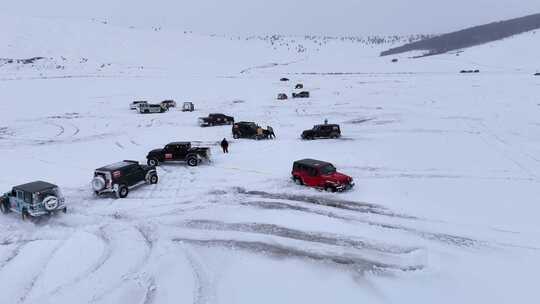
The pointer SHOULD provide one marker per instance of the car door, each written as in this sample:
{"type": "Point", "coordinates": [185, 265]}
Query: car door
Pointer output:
{"type": "Point", "coordinates": [19, 200]}
{"type": "Point", "coordinates": [326, 130]}
{"type": "Point", "coordinates": [168, 152]}
{"type": "Point", "coordinates": [310, 176]}
{"type": "Point", "coordinates": [181, 152]}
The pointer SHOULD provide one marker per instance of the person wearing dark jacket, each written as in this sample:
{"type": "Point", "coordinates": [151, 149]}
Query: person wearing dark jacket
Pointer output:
{"type": "Point", "coordinates": [225, 145]}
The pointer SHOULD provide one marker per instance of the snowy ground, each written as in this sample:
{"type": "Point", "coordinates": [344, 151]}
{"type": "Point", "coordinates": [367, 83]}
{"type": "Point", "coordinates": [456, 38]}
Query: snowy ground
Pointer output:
{"type": "Point", "coordinates": [446, 165]}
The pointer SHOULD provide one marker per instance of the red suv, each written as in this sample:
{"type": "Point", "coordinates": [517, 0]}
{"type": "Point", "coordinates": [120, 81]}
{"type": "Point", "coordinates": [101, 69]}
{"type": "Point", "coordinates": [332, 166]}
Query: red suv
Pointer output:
{"type": "Point", "coordinates": [320, 174]}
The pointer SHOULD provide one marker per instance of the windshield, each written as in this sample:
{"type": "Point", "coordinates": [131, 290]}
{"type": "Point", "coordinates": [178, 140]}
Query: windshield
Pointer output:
{"type": "Point", "coordinates": [49, 192]}
{"type": "Point", "coordinates": [328, 169]}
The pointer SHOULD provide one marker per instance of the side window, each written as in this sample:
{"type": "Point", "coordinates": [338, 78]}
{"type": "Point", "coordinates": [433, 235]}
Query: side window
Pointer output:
{"type": "Point", "coordinates": [28, 197]}
{"type": "Point", "coordinates": [20, 195]}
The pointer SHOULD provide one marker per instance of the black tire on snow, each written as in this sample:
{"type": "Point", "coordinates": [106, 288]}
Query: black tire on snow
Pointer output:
{"type": "Point", "coordinates": [153, 179]}
{"type": "Point", "coordinates": [192, 161]}
{"type": "Point", "coordinates": [298, 181]}
{"type": "Point", "coordinates": [152, 162]}
{"type": "Point", "coordinates": [25, 215]}
{"type": "Point", "coordinates": [64, 210]}
{"type": "Point", "coordinates": [122, 192]}
{"type": "Point", "coordinates": [3, 206]}
{"type": "Point", "coordinates": [330, 189]}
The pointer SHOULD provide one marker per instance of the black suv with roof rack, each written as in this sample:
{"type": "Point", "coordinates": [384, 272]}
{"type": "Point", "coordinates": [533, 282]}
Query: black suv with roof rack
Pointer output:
{"type": "Point", "coordinates": [216, 119]}
{"type": "Point", "coordinates": [248, 129]}
{"type": "Point", "coordinates": [119, 178]}
{"type": "Point", "coordinates": [322, 131]}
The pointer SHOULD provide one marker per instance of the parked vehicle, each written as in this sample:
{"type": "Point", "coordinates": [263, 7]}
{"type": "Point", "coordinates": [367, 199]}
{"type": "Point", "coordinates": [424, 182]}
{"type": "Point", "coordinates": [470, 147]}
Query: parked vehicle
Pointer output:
{"type": "Point", "coordinates": [147, 108]}
{"type": "Point", "coordinates": [282, 96]}
{"type": "Point", "coordinates": [537, 74]}
{"type": "Point", "coordinates": [321, 175]}
{"type": "Point", "coordinates": [135, 105]}
{"type": "Point", "coordinates": [216, 119]}
{"type": "Point", "coordinates": [33, 199]}
{"type": "Point", "coordinates": [284, 79]}
{"type": "Point", "coordinates": [322, 131]}
{"type": "Point", "coordinates": [250, 130]}
{"type": "Point", "coordinates": [395, 60]}
{"type": "Point", "coordinates": [299, 86]}
{"type": "Point", "coordinates": [179, 151]}
{"type": "Point", "coordinates": [121, 177]}
{"type": "Point", "coordinates": [303, 94]}
{"type": "Point", "coordinates": [188, 107]}
{"type": "Point", "coordinates": [168, 104]}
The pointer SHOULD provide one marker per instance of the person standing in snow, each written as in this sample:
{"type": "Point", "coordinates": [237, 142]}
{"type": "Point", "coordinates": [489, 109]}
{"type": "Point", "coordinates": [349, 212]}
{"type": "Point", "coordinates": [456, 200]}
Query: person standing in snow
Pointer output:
{"type": "Point", "coordinates": [225, 145]}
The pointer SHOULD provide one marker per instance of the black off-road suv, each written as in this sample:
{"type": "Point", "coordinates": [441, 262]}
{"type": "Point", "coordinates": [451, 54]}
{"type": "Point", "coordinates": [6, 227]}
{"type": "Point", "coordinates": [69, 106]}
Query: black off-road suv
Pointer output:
{"type": "Point", "coordinates": [303, 94]}
{"type": "Point", "coordinates": [216, 119]}
{"type": "Point", "coordinates": [250, 130]}
{"type": "Point", "coordinates": [179, 151]}
{"type": "Point", "coordinates": [119, 178]}
{"type": "Point", "coordinates": [322, 131]}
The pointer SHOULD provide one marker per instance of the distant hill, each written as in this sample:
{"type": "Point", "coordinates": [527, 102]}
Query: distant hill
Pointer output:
{"type": "Point", "coordinates": [470, 36]}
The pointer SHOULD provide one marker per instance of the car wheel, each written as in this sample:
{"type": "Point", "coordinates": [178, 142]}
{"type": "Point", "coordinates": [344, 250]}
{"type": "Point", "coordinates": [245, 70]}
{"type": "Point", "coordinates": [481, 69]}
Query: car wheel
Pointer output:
{"type": "Point", "coordinates": [64, 210]}
{"type": "Point", "coordinates": [298, 181]}
{"type": "Point", "coordinates": [122, 192]}
{"type": "Point", "coordinates": [235, 136]}
{"type": "Point", "coordinates": [153, 179]}
{"type": "Point", "coordinates": [330, 189]}
{"type": "Point", "coordinates": [152, 162]}
{"type": "Point", "coordinates": [25, 215]}
{"type": "Point", "coordinates": [3, 207]}
{"type": "Point", "coordinates": [192, 161]}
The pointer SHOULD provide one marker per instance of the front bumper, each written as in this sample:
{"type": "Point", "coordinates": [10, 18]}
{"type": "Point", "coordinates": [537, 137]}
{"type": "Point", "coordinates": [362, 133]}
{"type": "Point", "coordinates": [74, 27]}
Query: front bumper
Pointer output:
{"type": "Point", "coordinates": [345, 187]}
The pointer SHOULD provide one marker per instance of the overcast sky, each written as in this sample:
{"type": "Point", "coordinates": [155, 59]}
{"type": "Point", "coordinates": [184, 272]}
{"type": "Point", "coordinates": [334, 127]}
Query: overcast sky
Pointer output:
{"type": "Point", "coordinates": [335, 17]}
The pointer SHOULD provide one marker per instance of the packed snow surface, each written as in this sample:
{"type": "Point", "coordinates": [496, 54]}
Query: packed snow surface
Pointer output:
{"type": "Point", "coordinates": [446, 165]}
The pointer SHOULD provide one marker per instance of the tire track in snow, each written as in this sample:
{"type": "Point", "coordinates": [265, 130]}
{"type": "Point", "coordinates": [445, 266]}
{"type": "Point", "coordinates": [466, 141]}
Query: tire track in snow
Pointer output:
{"type": "Point", "coordinates": [280, 251]}
{"type": "Point", "coordinates": [204, 292]}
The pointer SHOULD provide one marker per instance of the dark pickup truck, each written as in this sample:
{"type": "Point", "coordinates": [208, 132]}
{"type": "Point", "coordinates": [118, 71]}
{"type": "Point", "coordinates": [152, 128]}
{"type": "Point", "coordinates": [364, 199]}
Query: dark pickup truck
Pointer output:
{"type": "Point", "coordinates": [179, 151]}
{"type": "Point", "coordinates": [216, 119]}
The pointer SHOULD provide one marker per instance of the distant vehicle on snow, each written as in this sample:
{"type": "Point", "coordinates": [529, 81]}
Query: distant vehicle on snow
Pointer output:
{"type": "Point", "coordinates": [135, 105]}
{"type": "Point", "coordinates": [146, 108]}
{"type": "Point", "coordinates": [299, 86]}
{"type": "Point", "coordinates": [469, 71]}
{"type": "Point", "coordinates": [303, 94]}
{"type": "Point", "coordinates": [322, 131]}
{"type": "Point", "coordinates": [168, 103]}
{"type": "Point", "coordinates": [282, 96]}
{"type": "Point", "coordinates": [537, 74]}
{"type": "Point", "coordinates": [395, 60]}
{"type": "Point", "coordinates": [284, 79]}
{"type": "Point", "coordinates": [321, 175]}
{"type": "Point", "coordinates": [119, 178]}
{"type": "Point", "coordinates": [249, 130]}
{"type": "Point", "coordinates": [216, 119]}
{"type": "Point", "coordinates": [188, 106]}
{"type": "Point", "coordinates": [33, 199]}
{"type": "Point", "coordinates": [179, 151]}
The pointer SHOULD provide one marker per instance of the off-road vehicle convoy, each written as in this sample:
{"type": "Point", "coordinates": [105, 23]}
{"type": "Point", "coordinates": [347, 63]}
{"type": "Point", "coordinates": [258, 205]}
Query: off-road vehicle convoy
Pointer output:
{"type": "Point", "coordinates": [321, 175]}
{"type": "Point", "coordinates": [169, 103]}
{"type": "Point", "coordinates": [146, 108]}
{"type": "Point", "coordinates": [216, 119]}
{"type": "Point", "coordinates": [188, 106]}
{"type": "Point", "coordinates": [119, 178]}
{"type": "Point", "coordinates": [179, 151]}
{"type": "Point", "coordinates": [249, 130]}
{"type": "Point", "coordinates": [135, 105]}
{"type": "Point", "coordinates": [322, 131]}
{"type": "Point", "coordinates": [303, 94]}
{"type": "Point", "coordinates": [33, 199]}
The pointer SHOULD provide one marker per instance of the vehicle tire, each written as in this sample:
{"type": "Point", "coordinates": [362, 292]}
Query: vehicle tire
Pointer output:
{"type": "Point", "coordinates": [25, 215]}
{"type": "Point", "coordinates": [122, 192]}
{"type": "Point", "coordinates": [235, 136]}
{"type": "Point", "coordinates": [146, 111]}
{"type": "Point", "coordinates": [298, 181]}
{"type": "Point", "coordinates": [153, 179]}
{"type": "Point", "coordinates": [330, 189]}
{"type": "Point", "coordinates": [192, 161]}
{"type": "Point", "coordinates": [64, 210]}
{"type": "Point", "coordinates": [152, 162]}
{"type": "Point", "coordinates": [334, 135]}
{"type": "Point", "coordinates": [3, 206]}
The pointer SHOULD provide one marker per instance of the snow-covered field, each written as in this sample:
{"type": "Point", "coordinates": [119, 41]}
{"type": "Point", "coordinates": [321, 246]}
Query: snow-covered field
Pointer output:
{"type": "Point", "coordinates": [447, 166]}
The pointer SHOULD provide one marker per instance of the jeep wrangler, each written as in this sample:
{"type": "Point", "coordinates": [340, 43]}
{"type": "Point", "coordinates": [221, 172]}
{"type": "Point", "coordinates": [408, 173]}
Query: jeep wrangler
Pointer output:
{"type": "Point", "coordinates": [135, 105]}
{"type": "Point", "coordinates": [188, 106]}
{"type": "Point", "coordinates": [250, 130]}
{"type": "Point", "coordinates": [303, 94]}
{"type": "Point", "coordinates": [322, 131]}
{"type": "Point", "coordinates": [178, 151]}
{"type": "Point", "coordinates": [119, 178]}
{"type": "Point", "coordinates": [320, 175]}
{"type": "Point", "coordinates": [33, 199]}
{"type": "Point", "coordinates": [216, 119]}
